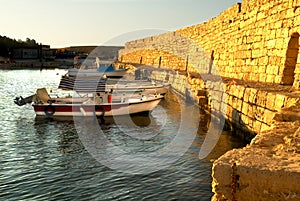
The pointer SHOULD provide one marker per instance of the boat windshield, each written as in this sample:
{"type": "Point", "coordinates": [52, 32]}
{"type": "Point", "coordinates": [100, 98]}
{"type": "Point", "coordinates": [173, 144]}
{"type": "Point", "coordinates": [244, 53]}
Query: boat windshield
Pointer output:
{"type": "Point", "coordinates": [109, 68]}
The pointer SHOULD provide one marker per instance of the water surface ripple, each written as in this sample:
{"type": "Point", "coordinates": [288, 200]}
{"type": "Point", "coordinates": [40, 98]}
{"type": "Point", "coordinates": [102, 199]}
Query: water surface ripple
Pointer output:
{"type": "Point", "coordinates": [44, 159]}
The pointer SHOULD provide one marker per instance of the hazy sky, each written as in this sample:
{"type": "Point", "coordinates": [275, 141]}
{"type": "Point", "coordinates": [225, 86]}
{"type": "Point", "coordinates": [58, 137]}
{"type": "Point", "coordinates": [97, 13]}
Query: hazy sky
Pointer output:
{"type": "Point", "coordinates": [62, 23]}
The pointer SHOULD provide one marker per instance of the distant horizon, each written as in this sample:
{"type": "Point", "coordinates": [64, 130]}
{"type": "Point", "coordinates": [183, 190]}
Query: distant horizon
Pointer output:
{"type": "Point", "coordinates": [68, 23]}
{"type": "Point", "coordinates": [88, 46]}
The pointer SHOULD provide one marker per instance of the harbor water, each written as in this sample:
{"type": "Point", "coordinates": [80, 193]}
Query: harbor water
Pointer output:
{"type": "Point", "coordinates": [48, 159]}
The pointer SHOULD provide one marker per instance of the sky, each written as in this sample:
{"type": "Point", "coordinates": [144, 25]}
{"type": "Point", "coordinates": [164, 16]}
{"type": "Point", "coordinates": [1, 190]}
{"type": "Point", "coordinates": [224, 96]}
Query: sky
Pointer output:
{"type": "Point", "coordinates": [64, 23]}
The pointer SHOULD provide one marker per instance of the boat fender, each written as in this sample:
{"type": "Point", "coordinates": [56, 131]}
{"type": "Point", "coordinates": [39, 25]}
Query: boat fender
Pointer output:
{"type": "Point", "coordinates": [82, 111]}
{"type": "Point", "coordinates": [49, 110]}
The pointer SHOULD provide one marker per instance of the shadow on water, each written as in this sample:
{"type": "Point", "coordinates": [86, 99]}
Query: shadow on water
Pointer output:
{"type": "Point", "coordinates": [141, 119]}
{"type": "Point", "coordinates": [240, 128]}
{"type": "Point", "coordinates": [228, 139]}
{"type": "Point", "coordinates": [65, 130]}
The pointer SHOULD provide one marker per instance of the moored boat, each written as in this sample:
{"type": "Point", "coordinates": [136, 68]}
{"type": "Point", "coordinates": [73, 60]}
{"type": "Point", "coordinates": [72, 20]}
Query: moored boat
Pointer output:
{"type": "Point", "coordinates": [94, 84]}
{"type": "Point", "coordinates": [100, 104]}
{"type": "Point", "coordinates": [100, 70]}
{"type": "Point", "coordinates": [73, 72]}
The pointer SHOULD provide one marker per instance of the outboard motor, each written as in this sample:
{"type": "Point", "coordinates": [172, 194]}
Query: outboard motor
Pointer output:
{"type": "Point", "coordinates": [22, 101]}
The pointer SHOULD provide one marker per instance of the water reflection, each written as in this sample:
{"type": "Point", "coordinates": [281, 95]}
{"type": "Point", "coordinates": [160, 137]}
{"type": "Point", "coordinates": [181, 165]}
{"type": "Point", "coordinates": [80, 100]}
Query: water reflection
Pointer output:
{"type": "Point", "coordinates": [44, 158]}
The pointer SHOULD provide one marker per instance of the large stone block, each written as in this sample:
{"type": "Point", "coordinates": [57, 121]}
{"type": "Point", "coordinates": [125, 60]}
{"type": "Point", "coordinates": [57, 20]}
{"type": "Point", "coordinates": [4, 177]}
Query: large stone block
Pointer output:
{"type": "Point", "coordinates": [244, 119]}
{"type": "Point", "coordinates": [279, 101]}
{"type": "Point", "coordinates": [245, 108]}
{"type": "Point", "coordinates": [239, 104]}
{"type": "Point", "coordinates": [261, 98]}
{"type": "Point", "coordinates": [257, 126]}
{"type": "Point", "coordinates": [247, 94]}
{"type": "Point", "coordinates": [271, 43]}
{"type": "Point", "coordinates": [253, 95]}
{"type": "Point", "coordinates": [269, 117]}
{"type": "Point", "coordinates": [296, 3]}
{"type": "Point", "coordinates": [270, 102]}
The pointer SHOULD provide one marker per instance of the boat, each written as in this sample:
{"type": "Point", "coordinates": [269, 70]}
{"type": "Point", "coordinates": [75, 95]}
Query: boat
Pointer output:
{"type": "Point", "coordinates": [142, 88]}
{"type": "Point", "coordinates": [102, 71]}
{"type": "Point", "coordinates": [114, 86]}
{"type": "Point", "coordinates": [100, 104]}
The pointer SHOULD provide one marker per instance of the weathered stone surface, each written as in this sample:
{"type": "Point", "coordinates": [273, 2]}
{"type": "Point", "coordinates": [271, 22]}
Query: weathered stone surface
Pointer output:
{"type": "Point", "coordinates": [261, 176]}
{"type": "Point", "coordinates": [254, 48]}
{"type": "Point", "coordinates": [260, 37]}
{"type": "Point", "coordinates": [269, 168]}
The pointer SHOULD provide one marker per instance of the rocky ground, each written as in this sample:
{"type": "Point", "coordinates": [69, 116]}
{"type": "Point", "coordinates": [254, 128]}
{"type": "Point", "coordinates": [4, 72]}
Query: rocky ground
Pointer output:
{"type": "Point", "coordinates": [268, 168]}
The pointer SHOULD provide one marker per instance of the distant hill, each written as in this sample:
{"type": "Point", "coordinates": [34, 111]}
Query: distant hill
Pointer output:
{"type": "Point", "coordinates": [7, 45]}
{"type": "Point", "coordinates": [103, 52]}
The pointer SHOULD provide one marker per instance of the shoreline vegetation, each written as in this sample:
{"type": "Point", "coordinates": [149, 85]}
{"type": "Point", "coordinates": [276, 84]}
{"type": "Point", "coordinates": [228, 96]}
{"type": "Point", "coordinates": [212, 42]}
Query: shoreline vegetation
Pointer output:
{"type": "Point", "coordinates": [29, 54]}
{"type": "Point", "coordinates": [39, 65]}
{"type": "Point", "coordinates": [35, 65]}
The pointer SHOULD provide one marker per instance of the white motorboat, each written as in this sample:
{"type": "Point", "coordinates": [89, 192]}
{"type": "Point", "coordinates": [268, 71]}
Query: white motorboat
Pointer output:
{"type": "Point", "coordinates": [100, 104]}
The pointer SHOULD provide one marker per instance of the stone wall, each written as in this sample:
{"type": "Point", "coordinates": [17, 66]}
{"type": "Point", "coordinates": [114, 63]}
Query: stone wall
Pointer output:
{"type": "Point", "coordinates": [249, 108]}
{"type": "Point", "coordinates": [254, 40]}
{"type": "Point", "coordinates": [268, 168]}
{"type": "Point", "coordinates": [243, 65]}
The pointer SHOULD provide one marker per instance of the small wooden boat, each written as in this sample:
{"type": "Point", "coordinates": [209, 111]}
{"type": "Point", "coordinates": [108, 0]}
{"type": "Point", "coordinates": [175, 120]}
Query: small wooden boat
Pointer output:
{"type": "Point", "coordinates": [107, 71]}
{"type": "Point", "coordinates": [100, 104]}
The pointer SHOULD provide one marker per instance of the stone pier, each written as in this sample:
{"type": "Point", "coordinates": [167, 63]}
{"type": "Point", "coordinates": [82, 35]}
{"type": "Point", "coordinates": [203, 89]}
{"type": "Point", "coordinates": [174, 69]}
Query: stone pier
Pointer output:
{"type": "Point", "coordinates": [243, 65]}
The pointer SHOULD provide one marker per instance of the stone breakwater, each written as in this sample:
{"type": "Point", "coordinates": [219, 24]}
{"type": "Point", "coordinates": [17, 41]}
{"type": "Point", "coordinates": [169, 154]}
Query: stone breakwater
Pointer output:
{"type": "Point", "coordinates": [267, 116]}
{"type": "Point", "coordinates": [242, 65]}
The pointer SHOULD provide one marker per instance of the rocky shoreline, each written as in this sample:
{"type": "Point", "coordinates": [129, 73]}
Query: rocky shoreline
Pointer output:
{"type": "Point", "coordinates": [267, 169]}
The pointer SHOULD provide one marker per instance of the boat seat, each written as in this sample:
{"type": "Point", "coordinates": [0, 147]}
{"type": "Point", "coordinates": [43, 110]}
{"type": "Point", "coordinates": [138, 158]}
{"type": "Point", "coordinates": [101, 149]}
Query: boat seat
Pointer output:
{"type": "Point", "coordinates": [42, 95]}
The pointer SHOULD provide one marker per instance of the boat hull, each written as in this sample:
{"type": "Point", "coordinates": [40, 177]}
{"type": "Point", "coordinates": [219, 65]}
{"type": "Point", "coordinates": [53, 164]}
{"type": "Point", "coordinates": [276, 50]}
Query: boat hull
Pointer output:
{"type": "Point", "coordinates": [112, 109]}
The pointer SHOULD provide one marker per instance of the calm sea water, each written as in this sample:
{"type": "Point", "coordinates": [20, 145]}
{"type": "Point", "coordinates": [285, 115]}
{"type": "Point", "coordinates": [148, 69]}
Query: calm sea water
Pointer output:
{"type": "Point", "coordinates": [46, 159]}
